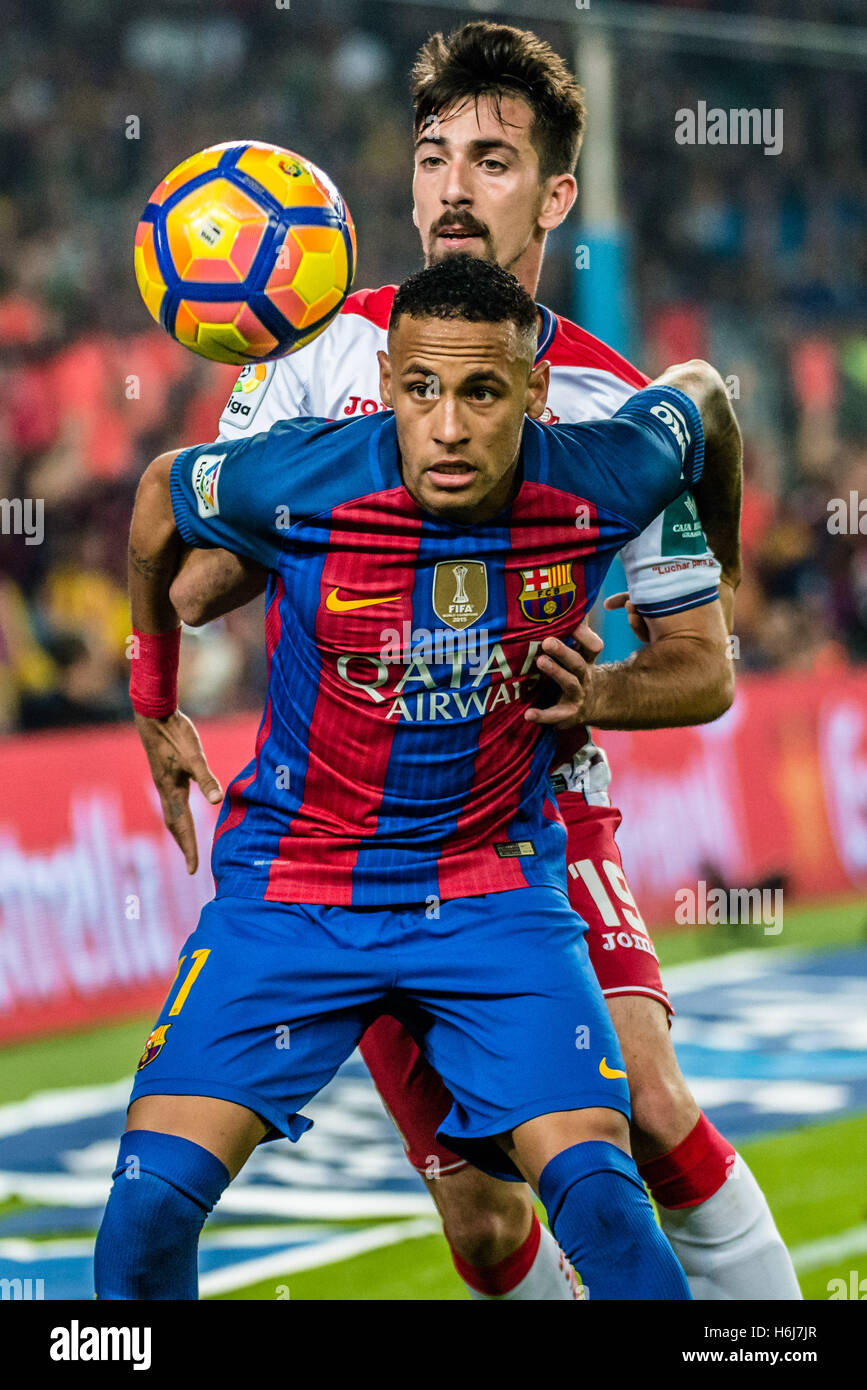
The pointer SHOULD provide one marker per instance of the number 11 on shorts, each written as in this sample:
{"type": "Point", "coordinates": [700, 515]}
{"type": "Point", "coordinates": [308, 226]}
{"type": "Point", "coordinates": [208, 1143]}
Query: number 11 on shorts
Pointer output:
{"type": "Point", "coordinates": [198, 959]}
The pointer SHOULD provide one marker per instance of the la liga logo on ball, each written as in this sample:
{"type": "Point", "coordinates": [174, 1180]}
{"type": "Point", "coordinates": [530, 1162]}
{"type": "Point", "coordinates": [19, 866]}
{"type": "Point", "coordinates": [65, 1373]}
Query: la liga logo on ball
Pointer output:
{"type": "Point", "coordinates": [245, 252]}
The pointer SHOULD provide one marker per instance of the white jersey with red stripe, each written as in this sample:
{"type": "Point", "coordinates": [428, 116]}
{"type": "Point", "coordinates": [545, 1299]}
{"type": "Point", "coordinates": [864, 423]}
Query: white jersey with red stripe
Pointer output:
{"type": "Point", "coordinates": [669, 567]}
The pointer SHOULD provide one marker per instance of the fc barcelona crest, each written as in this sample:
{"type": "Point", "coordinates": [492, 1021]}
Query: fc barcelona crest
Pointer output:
{"type": "Point", "coordinates": [548, 592]}
{"type": "Point", "coordinates": [154, 1045]}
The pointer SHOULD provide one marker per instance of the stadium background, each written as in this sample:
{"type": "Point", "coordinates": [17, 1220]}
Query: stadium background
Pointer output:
{"type": "Point", "coordinates": [757, 262]}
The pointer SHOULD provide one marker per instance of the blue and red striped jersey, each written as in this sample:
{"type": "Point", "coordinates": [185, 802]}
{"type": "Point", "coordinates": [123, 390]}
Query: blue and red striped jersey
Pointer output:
{"type": "Point", "coordinates": [393, 763]}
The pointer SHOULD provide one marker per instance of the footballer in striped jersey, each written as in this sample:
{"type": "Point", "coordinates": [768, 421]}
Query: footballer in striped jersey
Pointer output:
{"type": "Point", "coordinates": [499, 122]}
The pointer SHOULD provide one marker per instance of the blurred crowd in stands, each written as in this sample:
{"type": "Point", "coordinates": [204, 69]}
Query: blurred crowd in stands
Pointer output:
{"type": "Point", "coordinates": [758, 262]}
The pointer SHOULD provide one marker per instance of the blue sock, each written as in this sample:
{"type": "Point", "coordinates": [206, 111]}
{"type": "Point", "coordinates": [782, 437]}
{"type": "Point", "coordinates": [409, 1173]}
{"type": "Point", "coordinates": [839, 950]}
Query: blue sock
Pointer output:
{"type": "Point", "coordinates": [147, 1247]}
{"type": "Point", "coordinates": [602, 1219]}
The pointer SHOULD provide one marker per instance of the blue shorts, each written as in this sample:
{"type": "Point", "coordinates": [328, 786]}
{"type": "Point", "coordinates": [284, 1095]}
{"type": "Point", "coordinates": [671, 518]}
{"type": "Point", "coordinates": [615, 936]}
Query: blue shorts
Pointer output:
{"type": "Point", "coordinates": [498, 990]}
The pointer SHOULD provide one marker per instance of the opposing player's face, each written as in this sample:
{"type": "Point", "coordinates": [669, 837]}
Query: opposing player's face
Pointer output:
{"type": "Point", "coordinates": [477, 190]}
{"type": "Point", "coordinates": [459, 392]}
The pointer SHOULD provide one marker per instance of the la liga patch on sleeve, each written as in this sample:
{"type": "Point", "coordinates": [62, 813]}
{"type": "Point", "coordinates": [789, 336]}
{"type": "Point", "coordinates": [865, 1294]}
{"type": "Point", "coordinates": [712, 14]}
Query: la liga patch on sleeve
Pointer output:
{"type": "Point", "coordinates": [247, 394]}
{"type": "Point", "coordinates": [205, 480]}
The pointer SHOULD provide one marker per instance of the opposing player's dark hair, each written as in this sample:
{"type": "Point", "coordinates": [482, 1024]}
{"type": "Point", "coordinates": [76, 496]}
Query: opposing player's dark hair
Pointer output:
{"type": "Point", "coordinates": [466, 287]}
{"type": "Point", "coordinates": [497, 60]}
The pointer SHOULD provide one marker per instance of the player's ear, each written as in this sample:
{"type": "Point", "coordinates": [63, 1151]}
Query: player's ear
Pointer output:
{"type": "Point", "coordinates": [537, 390]}
{"type": "Point", "coordinates": [558, 196]}
{"type": "Point", "coordinates": [415, 216]}
{"type": "Point", "coordinates": [384, 378]}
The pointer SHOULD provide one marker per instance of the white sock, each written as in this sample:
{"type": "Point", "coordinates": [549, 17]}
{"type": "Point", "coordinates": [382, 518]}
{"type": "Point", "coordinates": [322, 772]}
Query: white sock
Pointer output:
{"type": "Point", "coordinates": [549, 1277]}
{"type": "Point", "coordinates": [729, 1245]}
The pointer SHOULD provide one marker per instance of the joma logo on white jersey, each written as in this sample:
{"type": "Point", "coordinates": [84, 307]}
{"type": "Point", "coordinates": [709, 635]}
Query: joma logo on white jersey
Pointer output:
{"type": "Point", "coordinates": [671, 416]}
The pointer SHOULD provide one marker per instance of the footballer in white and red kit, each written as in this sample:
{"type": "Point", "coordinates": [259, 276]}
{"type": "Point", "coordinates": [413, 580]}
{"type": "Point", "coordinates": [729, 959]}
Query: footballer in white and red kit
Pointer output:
{"type": "Point", "coordinates": [669, 569]}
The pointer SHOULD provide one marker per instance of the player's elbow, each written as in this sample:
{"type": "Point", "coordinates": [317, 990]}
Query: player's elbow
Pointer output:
{"type": "Point", "coordinates": [189, 602]}
{"type": "Point", "coordinates": [152, 516]}
{"type": "Point", "coordinates": [725, 696]}
{"type": "Point", "coordinates": [717, 413]}
{"type": "Point", "coordinates": [154, 482]}
{"type": "Point", "coordinates": [705, 681]}
{"type": "Point", "coordinates": [719, 686]}
{"type": "Point", "coordinates": [211, 583]}
{"type": "Point", "coordinates": [703, 377]}
{"type": "Point", "coordinates": [705, 386]}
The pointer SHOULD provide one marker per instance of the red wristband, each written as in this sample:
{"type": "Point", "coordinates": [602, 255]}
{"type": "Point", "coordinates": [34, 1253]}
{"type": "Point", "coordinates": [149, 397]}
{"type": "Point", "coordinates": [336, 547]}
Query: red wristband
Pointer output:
{"type": "Point", "coordinates": [153, 673]}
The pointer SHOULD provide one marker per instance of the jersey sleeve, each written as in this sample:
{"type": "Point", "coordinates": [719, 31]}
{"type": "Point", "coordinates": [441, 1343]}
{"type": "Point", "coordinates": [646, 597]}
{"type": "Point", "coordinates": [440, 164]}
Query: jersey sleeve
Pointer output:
{"type": "Point", "coordinates": [264, 393]}
{"type": "Point", "coordinates": [670, 568]}
{"type": "Point", "coordinates": [233, 494]}
{"type": "Point", "coordinates": [644, 456]}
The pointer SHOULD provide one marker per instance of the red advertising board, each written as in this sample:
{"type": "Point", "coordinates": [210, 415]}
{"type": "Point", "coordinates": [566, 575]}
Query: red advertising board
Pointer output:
{"type": "Point", "coordinates": [95, 899]}
{"type": "Point", "coordinates": [776, 787]}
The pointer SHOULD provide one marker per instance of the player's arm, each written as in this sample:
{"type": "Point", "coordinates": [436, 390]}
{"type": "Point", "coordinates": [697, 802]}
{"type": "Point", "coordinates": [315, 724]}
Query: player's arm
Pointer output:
{"type": "Point", "coordinates": [678, 605]}
{"type": "Point", "coordinates": [201, 497]}
{"type": "Point", "coordinates": [718, 491]}
{"type": "Point", "coordinates": [676, 434]}
{"type": "Point", "coordinates": [210, 583]}
{"type": "Point", "coordinates": [684, 675]}
{"type": "Point", "coordinates": [170, 741]}
{"type": "Point", "coordinates": [638, 621]}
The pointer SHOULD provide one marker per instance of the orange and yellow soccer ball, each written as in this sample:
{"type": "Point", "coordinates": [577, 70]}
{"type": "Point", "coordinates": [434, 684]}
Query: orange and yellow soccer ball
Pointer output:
{"type": "Point", "coordinates": [245, 252]}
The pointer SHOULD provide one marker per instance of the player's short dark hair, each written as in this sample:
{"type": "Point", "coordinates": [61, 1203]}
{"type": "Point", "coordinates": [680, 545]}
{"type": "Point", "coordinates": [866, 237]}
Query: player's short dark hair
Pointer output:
{"type": "Point", "coordinates": [466, 287]}
{"type": "Point", "coordinates": [496, 60]}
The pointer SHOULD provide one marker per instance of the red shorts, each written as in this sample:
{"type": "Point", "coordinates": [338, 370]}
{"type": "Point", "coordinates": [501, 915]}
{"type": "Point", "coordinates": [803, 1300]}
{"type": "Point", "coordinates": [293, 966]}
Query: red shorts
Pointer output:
{"type": "Point", "coordinates": [621, 952]}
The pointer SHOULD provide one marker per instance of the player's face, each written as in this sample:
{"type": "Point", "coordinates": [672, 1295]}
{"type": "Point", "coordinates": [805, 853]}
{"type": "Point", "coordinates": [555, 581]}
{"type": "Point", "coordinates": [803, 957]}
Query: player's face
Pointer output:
{"type": "Point", "coordinates": [459, 392]}
{"type": "Point", "coordinates": [477, 190]}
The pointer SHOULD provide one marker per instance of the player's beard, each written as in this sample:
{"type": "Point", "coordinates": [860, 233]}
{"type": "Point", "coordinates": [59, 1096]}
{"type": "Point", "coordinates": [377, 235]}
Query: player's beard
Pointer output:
{"type": "Point", "coordinates": [435, 255]}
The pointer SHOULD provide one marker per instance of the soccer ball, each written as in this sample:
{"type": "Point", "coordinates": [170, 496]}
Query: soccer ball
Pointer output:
{"type": "Point", "coordinates": [245, 252]}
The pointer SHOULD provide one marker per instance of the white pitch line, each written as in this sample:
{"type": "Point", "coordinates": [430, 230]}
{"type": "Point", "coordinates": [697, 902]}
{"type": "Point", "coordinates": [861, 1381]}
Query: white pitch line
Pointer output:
{"type": "Point", "coordinates": [22, 1248]}
{"type": "Point", "coordinates": [815, 1254]}
{"type": "Point", "coordinates": [328, 1252]}
{"type": "Point", "coordinates": [65, 1189]}
{"type": "Point", "coordinates": [50, 1108]}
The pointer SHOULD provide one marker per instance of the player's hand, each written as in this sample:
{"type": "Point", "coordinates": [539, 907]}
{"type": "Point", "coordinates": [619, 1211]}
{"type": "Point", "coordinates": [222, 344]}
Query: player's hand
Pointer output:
{"type": "Point", "coordinates": [587, 642]}
{"type": "Point", "coordinates": [636, 622]}
{"type": "Point", "coordinates": [175, 754]}
{"type": "Point", "coordinates": [574, 675]}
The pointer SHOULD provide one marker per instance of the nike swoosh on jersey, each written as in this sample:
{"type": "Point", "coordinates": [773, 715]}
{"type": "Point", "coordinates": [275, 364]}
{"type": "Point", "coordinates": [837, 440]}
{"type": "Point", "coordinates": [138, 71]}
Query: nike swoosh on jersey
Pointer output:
{"type": "Point", "coordinates": [335, 604]}
{"type": "Point", "coordinates": [609, 1072]}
